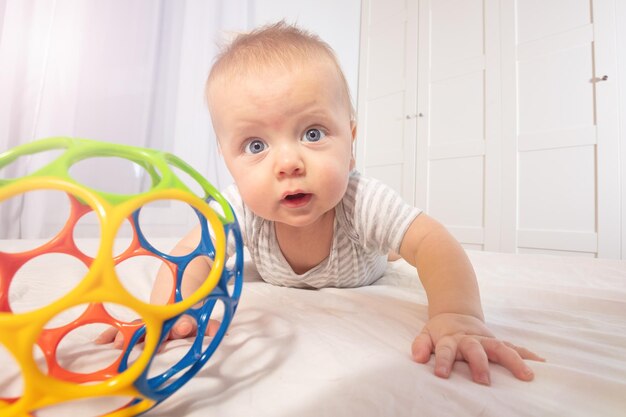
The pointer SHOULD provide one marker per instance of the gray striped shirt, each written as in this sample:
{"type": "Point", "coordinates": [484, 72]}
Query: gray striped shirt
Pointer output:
{"type": "Point", "coordinates": [370, 221]}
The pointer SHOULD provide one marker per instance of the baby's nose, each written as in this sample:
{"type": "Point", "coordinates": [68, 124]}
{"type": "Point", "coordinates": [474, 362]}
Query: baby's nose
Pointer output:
{"type": "Point", "coordinates": [289, 162]}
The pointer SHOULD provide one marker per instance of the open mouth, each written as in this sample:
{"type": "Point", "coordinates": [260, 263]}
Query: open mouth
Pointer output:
{"type": "Point", "coordinates": [296, 200]}
{"type": "Point", "coordinates": [292, 197]}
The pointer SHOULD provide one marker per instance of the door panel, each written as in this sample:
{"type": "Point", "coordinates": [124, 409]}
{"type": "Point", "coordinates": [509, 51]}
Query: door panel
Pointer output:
{"type": "Point", "coordinates": [385, 147]}
{"type": "Point", "coordinates": [457, 109]}
{"type": "Point", "coordinates": [557, 189]}
{"type": "Point", "coordinates": [554, 194]}
{"type": "Point", "coordinates": [456, 197]}
{"type": "Point", "coordinates": [452, 98]}
{"type": "Point", "coordinates": [541, 18]}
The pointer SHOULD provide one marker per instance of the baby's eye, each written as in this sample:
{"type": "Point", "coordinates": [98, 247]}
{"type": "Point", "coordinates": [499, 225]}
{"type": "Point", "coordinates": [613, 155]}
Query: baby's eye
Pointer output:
{"type": "Point", "coordinates": [313, 135]}
{"type": "Point", "coordinates": [255, 146]}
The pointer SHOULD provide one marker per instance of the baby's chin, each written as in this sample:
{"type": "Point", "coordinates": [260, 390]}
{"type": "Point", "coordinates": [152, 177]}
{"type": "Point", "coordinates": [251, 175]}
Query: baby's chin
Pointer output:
{"type": "Point", "coordinates": [304, 220]}
{"type": "Point", "coordinates": [310, 214]}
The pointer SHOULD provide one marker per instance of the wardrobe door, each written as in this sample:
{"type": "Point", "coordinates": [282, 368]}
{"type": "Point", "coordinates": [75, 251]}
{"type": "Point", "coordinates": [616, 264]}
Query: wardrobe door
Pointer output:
{"type": "Point", "coordinates": [517, 145]}
{"type": "Point", "coordinates": [458, 118]}
{"type": "Point", "coordinates": [560, 142]}
{"type": "Point", "coordinates": [385, 146]}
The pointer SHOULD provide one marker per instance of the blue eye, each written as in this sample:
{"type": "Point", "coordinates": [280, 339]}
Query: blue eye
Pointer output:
{"type": "Point", "coordinates": [313, 135]}
{"type": "Point", "coordinates": [255, 146]}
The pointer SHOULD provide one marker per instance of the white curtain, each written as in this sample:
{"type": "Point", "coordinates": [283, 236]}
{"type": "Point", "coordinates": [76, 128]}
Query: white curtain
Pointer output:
{"type": "Point", "coordinates": [121, 71]}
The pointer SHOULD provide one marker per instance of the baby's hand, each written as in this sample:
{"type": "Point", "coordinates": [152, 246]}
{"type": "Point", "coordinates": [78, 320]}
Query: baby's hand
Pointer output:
{"type": "Point", "coordinates": [454, 337]}
{"type": "Point", "coordinates": [184, 327]}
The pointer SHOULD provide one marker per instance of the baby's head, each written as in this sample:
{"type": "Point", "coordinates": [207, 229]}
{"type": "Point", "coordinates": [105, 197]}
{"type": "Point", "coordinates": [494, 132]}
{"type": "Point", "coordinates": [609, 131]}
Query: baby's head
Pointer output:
{"type": "Point", "coordinates": [278, 47]}
{"type": "Point", "coordinates": [281, 109]}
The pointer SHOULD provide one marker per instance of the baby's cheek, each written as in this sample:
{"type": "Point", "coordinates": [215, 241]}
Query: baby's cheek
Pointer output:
{"type": "Point", "coordinates": [257, 199]}
{"type": "Point", "coordinates": [250, 196]}
{"type": "Point", "coordinates": [336, 183]}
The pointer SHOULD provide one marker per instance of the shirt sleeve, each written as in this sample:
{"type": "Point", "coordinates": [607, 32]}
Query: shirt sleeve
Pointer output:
{"type": "Point", "coordinates": [381, 217]}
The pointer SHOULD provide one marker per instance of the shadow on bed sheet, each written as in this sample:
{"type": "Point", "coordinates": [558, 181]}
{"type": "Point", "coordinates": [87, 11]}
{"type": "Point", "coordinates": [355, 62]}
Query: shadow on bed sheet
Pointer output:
{"type": "Point", "coordinates": [255, 346]}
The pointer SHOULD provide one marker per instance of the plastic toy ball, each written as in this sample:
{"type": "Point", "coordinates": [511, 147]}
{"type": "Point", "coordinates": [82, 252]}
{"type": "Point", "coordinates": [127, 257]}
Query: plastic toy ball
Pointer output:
{"type": "Point", "coordinates": [133, 376]}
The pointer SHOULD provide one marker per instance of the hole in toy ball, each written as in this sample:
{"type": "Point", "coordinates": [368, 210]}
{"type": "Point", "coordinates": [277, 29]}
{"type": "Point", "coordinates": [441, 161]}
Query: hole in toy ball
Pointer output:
{"type": "Point", "coordinates": [44, 279]}
{"type": "Point", "coordinates": [173, 350]}
{"type": "Point", "coordinates": [231, 263]}
{"type": "Point", "coordinates": [87, 236]}
{"type": "Point", "coordinates": [11, 381]}
{"type": "Point", "coordinates": [76, 350]}
{"type": "Point", "coordinates": [138, 275]}
{"type": "Point", "coordinates": [217, 311]}
{"type": "Point", "coordinates": [85, 407]}
{"type": "Point", "coordinates": [193, 276]}
{"type": "Point", "coordinates": [40, 359]}
{"type": "Point", "coordinates": [66, 316]}
{"type": "Point", "coordinates": [28, 164]}
{"type": "Point", "coordinates": [112, 175]}
{"type": "Point", "coordinates": [163, 223]}
{"type": "Point", "coordinates": [179, 355]}
{"type": "Point", "coordinates": [112, 312]}
{"type": "Point", "coordinates": [44, 223]}
{"type": "Point", "coordinates": [120, 312]}
{"type": "Point", "coordinates": [217, 208]}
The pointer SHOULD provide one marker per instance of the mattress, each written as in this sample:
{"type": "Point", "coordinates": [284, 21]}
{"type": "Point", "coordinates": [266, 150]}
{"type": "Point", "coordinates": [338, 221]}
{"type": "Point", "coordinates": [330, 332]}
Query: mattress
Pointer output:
{"type": "Point", "coordinates": [346, 352]}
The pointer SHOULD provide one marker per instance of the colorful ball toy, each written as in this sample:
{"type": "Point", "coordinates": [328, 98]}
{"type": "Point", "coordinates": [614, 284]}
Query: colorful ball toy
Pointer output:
{"type": "Point", "coordinates": [22, 332]}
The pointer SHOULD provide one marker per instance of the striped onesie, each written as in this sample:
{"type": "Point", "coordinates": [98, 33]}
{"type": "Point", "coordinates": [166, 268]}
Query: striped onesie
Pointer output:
{"type": "Point", "coordinates": [370, 221]}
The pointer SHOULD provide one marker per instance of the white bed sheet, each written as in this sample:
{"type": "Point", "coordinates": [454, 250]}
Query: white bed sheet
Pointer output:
{"type": "Point", "coordinates": [346, 352]}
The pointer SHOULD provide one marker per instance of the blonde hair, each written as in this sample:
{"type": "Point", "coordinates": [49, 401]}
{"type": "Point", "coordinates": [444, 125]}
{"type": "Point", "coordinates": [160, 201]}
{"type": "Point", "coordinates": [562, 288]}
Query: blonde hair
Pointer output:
{"type": "Point", "coordinates": [279, 44]}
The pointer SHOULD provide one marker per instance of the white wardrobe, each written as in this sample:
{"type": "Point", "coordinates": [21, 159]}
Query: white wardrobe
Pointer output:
{"type": "Point", "coordinates": [500, 118]}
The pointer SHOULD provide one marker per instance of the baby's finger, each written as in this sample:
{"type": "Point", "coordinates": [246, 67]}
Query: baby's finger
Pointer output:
{"type": "Point", "coordinates": [422, 347]}
{"type": "Point", "coordinates": [445, 355]}
{"type": "Point", "coordinates": [508, 357]}
{"type": "Point", "coordinates": [118, 342]}
{"type": "Point", "coordinates": [525, 353]}
{"type": "Point", "coordinates": [474, 354]}
{"type": "Point", "coordinates": [212, 328]}
{"type": "Point", "coordinates": [183, 328]}
{"type": "Point", "coordinates": [106, 336]}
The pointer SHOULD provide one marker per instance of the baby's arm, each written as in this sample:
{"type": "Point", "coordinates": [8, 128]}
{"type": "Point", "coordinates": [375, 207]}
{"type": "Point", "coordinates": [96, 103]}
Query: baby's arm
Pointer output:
{"type": "Point", "coordinates": [193, 277]}
{"type": "Point", "coordinates": [456, 328]}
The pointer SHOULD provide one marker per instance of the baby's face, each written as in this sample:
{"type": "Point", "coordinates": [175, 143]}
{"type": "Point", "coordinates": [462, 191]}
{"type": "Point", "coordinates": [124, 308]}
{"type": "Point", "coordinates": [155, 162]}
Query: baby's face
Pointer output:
{"type": "Point", "coordinates": [286, 137]}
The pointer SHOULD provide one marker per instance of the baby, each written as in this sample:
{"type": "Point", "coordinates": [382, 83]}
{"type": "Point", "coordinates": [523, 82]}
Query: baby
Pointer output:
{"type": "Point", "coordinates": [285, 125]}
